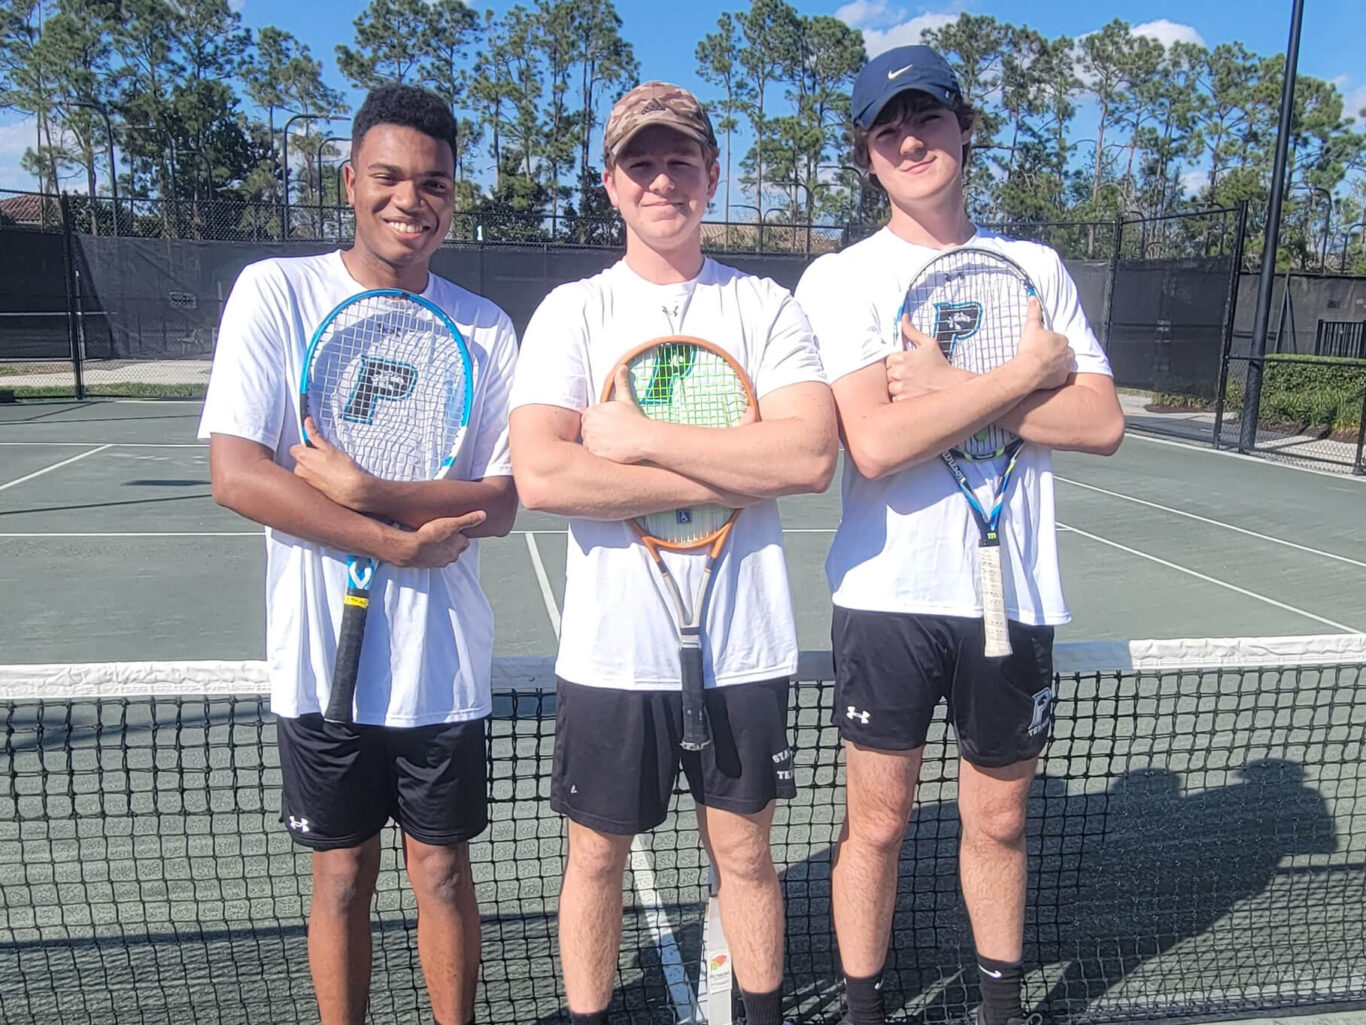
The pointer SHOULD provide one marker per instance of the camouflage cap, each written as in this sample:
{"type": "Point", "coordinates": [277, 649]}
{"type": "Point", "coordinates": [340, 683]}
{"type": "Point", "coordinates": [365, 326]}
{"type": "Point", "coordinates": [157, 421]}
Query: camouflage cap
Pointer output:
{"type": "Point", "coordinates": [656, 103]}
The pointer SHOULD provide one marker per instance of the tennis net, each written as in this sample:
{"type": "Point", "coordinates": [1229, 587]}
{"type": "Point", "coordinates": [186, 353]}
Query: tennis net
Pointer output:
{"type": "Point", "coordinates": [1197, 841]}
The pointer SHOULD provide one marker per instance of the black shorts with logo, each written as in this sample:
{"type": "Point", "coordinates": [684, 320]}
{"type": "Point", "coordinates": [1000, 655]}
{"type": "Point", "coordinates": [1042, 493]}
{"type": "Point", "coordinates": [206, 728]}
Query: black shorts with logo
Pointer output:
{"type": "Point", "coordinates": [617, 753]}
{"type": "Point", "coordinates": [343, 782]}
{"type": "Point", "coordinates": [892, 669]}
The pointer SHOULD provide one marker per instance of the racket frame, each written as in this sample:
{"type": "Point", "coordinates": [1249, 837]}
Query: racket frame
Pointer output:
{"type": "Point", "coordinates": [360, 569]}
{"type": "Point", "coordinates": [990, 574]}
{"type": "Point", "coordinates": [696, 726]}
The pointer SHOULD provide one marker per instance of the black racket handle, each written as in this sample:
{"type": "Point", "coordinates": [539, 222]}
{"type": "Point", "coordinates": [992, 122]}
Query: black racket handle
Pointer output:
{"type": "Point", "coordinates": [348, 656]}
{"type": "Point", "coordinates": [696, 728]}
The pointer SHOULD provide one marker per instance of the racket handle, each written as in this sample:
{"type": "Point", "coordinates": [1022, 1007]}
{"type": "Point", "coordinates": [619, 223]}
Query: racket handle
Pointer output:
{"type": "Point", "coordinates": [348, 656]}
{"type": "Point", "coordinates": [696, 729]}
{"type": "Point", "coordinates": [995, 627]}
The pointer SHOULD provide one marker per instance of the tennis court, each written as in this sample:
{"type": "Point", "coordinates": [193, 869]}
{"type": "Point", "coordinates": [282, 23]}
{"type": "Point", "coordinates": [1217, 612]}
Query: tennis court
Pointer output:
{"type": "Point", "coordinates": [114, 550]}
{"type": "Point", "coordinates": [1199, 852]}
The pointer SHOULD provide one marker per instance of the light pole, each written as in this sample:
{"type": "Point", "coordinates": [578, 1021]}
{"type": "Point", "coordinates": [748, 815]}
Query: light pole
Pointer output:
{"type": "Point", "coordinates": [319, 157]}
{"type": "Point", "coordinates": [322, 185]}
{"type": "Point", "coordinates": [763, 221]}
{"type": "Point", "coordinates": [1252, 393]}
{"type": "Point", "coordinates": [284, 159]}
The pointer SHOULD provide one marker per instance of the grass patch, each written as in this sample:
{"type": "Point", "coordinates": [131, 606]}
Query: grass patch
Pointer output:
{"type": "Point", "coordinates": [17, 369]}
{"type": "Point", "coordinates": [131, 390]}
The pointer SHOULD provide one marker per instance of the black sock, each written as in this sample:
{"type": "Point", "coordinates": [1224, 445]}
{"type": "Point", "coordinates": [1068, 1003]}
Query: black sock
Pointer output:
{"type": "Point", "coordinates": [863, 998]}
{"type": "Point", "coordinates": [596, 1018]}
{"type": "Point", "coordinates": [763, 1008]}
{"type": "Point", "coordinates": [1000, 983]}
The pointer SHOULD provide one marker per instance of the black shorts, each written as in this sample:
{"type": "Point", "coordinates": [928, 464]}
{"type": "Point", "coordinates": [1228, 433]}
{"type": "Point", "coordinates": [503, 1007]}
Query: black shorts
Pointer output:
{"type": "Point", "coordinates": [617, 755]}
{"type": "Point", "coordinates": [892, 669]}
{"type": "Point", "coordinates": [343, 782]}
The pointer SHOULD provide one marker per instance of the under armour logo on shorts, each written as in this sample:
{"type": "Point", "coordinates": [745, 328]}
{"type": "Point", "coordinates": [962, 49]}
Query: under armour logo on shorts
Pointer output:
{"type": "Point", "coordinates": [854, 713]}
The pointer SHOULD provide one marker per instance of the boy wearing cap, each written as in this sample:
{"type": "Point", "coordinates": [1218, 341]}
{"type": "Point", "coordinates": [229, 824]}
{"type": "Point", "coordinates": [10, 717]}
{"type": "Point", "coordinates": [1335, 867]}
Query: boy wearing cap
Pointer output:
{"type": "Point", "coordinates": [907, 627]}
{"type": "Point", "coordinates": [618, 715]}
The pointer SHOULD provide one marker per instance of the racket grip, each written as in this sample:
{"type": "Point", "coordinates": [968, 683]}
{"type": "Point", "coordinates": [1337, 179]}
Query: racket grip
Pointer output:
{"type": "Point", "coordinates": [344, 671]}
{"type": "Point", "coordinates": [696, 728]}
{"type": "Point", "coordinates": [995, 627]}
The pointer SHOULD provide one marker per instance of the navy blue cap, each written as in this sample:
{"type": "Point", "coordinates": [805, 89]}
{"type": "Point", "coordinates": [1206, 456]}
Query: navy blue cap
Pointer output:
{"type": "Point", "coordinates": [917, 68]}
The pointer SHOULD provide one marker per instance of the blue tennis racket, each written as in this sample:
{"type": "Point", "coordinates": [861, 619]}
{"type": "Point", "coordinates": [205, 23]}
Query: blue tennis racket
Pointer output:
{"type": "Point", "coordinates": [975, 303]}
{"type": "Point", "coordinates": [389, 381]}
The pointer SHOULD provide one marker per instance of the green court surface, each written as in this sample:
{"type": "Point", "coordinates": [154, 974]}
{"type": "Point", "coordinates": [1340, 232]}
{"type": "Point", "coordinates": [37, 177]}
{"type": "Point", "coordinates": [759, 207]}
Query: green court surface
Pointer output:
{"type": "Point", "coordinates": [111, 547]}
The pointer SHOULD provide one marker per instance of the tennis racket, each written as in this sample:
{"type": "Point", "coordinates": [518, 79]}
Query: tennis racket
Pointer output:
{"type": "Point", "coordinates": [687, 380]}
{"type": "Point", "coordinates": [389, 381]}
{"type": "Point", "coordinates": [975, 302]}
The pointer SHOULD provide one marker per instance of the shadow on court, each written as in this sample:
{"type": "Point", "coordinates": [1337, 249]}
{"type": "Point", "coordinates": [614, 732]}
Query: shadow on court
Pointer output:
{"type": "Point", "coordinates": [1118, 882]}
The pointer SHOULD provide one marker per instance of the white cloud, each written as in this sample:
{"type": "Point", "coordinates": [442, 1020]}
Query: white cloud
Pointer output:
{"type": "Point", "coordinates": [884, 26]}
{"type": "Point", "coordinates": [1168, 32]}
{"type": "Point", "coordinates": [1354, 101]}
{"type": "Point", "coordinates": [236, 5]}
{"type": "Point", "coordinates": [1194, 182]}
{"type": "Point", "coordinates": [867, 12]}
{"type": "Point", "coordinates": [877, 41]}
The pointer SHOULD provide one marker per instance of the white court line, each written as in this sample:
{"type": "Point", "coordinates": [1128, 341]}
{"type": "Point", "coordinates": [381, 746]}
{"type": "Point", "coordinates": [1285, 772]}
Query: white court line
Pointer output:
{"type": "Point", "coordinates": [112, 444]}
{"type": "Point", "coordinates": [1213, 523]}
{"type": "Point", "coordinates": [530, 536]}
{"type": "Point", "coordinates": [670, 957]}
{"type": "Point", "coordinates": [549, 532]}
{"type": "Point", "coordinates": [547, 595]}
{"type": "Point", "coordinates": [1343, 627]}
{"type": "Point", "coordinates": [49, 469]}
{"type": "Point", "coordinates": [149, 533]}
{"type": "Point", "coordinates": [642, 871]}
{"type": "Point", "coordinates": [1194, 446]}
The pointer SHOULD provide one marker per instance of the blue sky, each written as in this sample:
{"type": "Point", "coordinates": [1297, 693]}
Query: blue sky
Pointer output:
{"type": "Point", "coordinates": [664, 35]}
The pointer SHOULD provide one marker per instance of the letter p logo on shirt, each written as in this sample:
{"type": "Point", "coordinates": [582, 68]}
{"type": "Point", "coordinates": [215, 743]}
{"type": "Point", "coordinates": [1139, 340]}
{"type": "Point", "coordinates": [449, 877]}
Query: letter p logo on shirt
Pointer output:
{"type": "Point", "coordinates": [378, 379]}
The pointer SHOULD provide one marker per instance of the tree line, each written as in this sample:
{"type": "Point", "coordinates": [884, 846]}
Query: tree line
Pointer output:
{"type": "Point", "coordinates": [1109, 125]}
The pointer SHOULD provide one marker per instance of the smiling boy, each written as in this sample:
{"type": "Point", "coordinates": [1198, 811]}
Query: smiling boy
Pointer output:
{"type": "Point", "coordinates": [907, 626]}
{"type": "Point", "coordinates": [618, 717]}
{"type": "Point", "coordinates": [416, 752]}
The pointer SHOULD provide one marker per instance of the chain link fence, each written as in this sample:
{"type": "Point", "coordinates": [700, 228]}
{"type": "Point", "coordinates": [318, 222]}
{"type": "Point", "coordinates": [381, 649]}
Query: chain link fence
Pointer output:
{"type": "Point", "coordinates": [234, 220]}
{"type": "Point", "coordinates": [126, 301]}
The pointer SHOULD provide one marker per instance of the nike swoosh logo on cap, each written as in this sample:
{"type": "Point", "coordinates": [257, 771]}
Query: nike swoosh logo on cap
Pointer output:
{"type": "Point", "coordinates": [899, 71]}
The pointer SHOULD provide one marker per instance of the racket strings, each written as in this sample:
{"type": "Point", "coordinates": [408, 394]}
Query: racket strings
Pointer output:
{"type": "Point", "coordinates": [387, 387]}
{"type": "Point", "coordinates": [976, 307]}
{"type": "Point", "coordinates": [684, 383]}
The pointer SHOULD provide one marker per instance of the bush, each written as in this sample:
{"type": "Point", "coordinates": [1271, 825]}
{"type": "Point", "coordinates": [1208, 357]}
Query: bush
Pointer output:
{"type": "Point", "coordinates": [1313, 394]}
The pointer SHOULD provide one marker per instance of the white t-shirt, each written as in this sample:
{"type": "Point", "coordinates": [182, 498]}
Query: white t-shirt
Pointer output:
{"type": "Point", "coordinates": [907, 543]}
{"type": "Point", "coordinates": [428, 647]}
{"type": "Point", "coordinates": [618, 626]}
